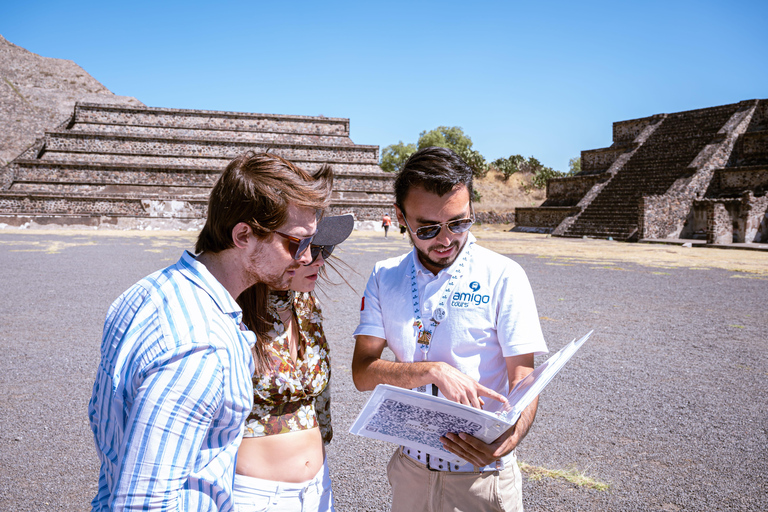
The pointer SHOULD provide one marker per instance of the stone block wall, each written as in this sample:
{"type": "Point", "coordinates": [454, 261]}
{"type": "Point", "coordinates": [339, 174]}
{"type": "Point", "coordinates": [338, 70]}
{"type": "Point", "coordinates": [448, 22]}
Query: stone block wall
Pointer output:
{"type": "Point", "coordinates": [625, 132]}
{"type": "Point", "coordinates": [753, 221]}
{"type": "Point", "coordinates": [664, 216]}
{"type": "Point", "coordinates": [492, 217]}
{"type": "Point", "coordinates": [720, 222]}
{"type": "Point", "coordinates": [543, 216]}
{"type": "Point", "coordinates": [740, 220]}
{"type": "Point", "coordinates": [568, 191]}
{"type": "Point", "coordinates": [732, 181]}
{"type": "Point", "coordinates": [595, 161]}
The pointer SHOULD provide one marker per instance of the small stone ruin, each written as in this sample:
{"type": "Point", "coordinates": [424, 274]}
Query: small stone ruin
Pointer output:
{"type": "Point", "coordinates": [153, 168]}
{"type": "Point", "coordinates": [700, 174]}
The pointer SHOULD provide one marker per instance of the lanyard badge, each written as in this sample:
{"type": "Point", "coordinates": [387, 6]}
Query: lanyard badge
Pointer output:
{"type": "Point", "coordinates": [440, 313]}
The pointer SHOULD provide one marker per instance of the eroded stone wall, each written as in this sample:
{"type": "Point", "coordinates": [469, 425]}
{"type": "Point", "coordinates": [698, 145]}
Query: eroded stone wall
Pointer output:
{"type": "Point", "coordinates": [543, 216]}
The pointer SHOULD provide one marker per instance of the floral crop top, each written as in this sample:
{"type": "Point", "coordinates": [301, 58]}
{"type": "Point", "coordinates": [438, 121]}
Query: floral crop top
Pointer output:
{"type": "Point", "coordinates": [293, 396]}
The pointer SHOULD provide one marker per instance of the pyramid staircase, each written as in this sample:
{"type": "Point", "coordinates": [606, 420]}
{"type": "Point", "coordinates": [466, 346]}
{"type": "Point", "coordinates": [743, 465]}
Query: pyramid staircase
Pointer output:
{"type": "Point", "coordinates": [663, 159]}
{"type": "Point", "coordinates": [152, 167]}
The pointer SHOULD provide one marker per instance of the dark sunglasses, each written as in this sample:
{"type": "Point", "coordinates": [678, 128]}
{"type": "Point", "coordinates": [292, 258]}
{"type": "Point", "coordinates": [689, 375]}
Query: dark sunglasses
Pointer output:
{"type": "Point", "coordinates": [326, 251]}
{"type": "Point", "coordinates": [455, 226]}
{"type": "Point", "coordinates": [296, 246]}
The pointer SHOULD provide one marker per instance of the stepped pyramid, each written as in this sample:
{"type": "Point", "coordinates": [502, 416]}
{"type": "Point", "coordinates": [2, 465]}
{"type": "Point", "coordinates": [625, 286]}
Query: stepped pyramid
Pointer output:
{"type": "Point", "coordinates": [141, 167]}
{"type": "Point", "coordinates": [699, 174]}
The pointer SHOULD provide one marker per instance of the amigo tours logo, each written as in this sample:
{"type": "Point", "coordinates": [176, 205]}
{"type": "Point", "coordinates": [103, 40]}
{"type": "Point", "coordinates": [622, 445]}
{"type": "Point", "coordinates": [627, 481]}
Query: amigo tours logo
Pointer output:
{"type": "Point", "coordinates": [466, 299]}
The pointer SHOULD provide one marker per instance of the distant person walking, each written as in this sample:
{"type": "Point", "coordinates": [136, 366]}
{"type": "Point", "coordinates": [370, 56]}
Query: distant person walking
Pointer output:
{"type": "Point", "coordinates": [386, 221]}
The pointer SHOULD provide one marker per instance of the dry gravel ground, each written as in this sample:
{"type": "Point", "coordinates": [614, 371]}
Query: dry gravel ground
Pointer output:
{"type": "Point", "coordinates": [666, 404]}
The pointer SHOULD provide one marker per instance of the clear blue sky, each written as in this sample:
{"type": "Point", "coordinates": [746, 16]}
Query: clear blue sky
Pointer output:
{"type": "Point", "coordinates": [544, 79]}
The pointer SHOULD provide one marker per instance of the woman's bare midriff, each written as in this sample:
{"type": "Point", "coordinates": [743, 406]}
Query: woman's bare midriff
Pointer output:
{"type": "Point", "coordinates": [292, 457]}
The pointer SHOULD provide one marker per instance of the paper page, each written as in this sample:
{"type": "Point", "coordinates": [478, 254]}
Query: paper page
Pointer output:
{"type": "Point", "coordinates": [418, 420]}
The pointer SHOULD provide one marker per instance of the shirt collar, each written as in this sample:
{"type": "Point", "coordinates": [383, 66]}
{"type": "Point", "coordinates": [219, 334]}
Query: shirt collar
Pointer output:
{"type": "Point", "coordinates": [199, 274]}
{"type": "Point", "coordinates": [421, 269]}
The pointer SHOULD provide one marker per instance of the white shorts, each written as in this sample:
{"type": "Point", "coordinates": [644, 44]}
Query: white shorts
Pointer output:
{"type": "Point", "coordinates": [257, 495]}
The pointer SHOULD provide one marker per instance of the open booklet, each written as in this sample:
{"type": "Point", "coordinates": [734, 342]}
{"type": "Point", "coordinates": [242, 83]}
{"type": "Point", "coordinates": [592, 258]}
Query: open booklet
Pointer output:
{"type": "Point", "coordinates": [418, 420]}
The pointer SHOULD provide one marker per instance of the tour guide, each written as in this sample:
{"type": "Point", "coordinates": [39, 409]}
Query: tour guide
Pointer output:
{"type": "Point", "coordinates": [462, 323]}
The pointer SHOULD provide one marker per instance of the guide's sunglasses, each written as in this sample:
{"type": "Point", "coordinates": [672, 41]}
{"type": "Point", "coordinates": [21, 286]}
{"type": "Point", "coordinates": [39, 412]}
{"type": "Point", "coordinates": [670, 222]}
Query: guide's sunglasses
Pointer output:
{"type": "Point", "coordinates": [296, 246]}
{"type": "Point", "coordinates": [326, 251]}
{"type": "Point", "coordinates": [455, 226]}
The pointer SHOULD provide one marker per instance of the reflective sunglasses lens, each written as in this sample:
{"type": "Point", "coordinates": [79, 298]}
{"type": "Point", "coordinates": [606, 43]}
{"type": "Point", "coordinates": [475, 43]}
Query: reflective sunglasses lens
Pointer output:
{"type": "Point", "coordinates": [326, 250]}
{"type": "Point", "coordinates": [301, 247]}
{"type": "Point", "coordinates": [293, 246]}
{"type": "Point", "coordinates": [316, 250]}
{"type": "Point", "coordinates": [428, 232]}
{"type": "Point", "coordinates": [460, 226]}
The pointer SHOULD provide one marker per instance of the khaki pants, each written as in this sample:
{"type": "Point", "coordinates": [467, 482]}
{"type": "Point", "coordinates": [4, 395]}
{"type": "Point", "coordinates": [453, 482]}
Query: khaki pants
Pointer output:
{"type": "Point", "coordinates": [416, 488]}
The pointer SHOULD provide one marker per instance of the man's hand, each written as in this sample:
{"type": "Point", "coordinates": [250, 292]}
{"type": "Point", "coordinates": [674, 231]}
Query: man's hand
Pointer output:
{"type": "Point", "coordinates": [460, 388]}
{"type": "Point", "coordinates": [368, 370]}
{"type": "Point", "coordinates": [477, 452]}
{"type": "Point", "coordinates": [481, 454]}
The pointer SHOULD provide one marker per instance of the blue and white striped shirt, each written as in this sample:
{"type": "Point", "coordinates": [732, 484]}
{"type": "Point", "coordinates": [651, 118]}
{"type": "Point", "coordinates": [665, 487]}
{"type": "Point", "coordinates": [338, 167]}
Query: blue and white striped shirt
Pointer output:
{"type": "Point", "coordinates": [172, 393]}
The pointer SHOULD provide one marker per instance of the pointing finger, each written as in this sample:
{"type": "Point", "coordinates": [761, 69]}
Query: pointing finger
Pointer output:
{"type": "Point", "coordinates": [484, 391]}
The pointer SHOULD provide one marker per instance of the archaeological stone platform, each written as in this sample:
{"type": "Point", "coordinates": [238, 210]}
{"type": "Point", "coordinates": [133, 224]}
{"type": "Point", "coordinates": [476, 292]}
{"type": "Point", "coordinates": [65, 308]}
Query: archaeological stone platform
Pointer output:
{"type": "Point", "coordinates": [699, 174]}
{"type": "Point", "coordinates": [140, 167]}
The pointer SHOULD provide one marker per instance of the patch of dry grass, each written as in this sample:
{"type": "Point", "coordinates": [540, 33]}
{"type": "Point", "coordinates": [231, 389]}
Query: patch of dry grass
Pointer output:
{"type": "Point", "coordinates": [573, 476]}
{"type": "Point", "coordinates": [504, 196]}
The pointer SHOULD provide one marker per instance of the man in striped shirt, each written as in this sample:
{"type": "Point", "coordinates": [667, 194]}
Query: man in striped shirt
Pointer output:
{"type": "Point", "coordinates": [173, 387]}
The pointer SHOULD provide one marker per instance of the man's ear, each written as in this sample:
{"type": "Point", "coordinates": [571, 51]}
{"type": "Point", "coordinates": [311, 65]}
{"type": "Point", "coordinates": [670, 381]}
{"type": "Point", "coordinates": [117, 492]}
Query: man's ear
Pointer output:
{"type": "Point", "coordinates": [241, 234]}
{"type": "Point", "coordinates": [399, 213]}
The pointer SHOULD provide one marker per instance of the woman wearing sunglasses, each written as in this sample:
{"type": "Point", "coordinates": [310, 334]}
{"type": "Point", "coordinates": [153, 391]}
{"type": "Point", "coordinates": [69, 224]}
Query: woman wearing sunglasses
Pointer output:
{"type": "Point", "coordinates": [281, 462]}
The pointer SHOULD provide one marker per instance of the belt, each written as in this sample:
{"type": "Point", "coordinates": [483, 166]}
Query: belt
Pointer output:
{"type": "Point", "coordinates": [434, 463]}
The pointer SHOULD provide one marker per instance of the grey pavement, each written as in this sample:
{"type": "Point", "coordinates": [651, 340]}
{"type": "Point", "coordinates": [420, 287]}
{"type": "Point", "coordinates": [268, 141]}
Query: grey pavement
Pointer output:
{"type": "Point", "coordinates": [667, 404]}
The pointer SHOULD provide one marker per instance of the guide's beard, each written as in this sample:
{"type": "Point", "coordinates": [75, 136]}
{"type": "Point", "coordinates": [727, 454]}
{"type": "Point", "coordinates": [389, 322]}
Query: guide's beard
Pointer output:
{"type": "Point", "coordinates": [442, 262]}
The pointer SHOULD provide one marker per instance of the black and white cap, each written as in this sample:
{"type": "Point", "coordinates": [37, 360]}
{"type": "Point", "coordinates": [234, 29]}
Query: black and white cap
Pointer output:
{"type": "Point", "coordinates": [334, 229]}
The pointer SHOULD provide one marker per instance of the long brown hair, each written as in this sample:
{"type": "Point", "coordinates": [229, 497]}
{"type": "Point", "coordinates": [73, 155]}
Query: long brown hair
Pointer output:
{"type": "Point", "coordinates": [253, 302]}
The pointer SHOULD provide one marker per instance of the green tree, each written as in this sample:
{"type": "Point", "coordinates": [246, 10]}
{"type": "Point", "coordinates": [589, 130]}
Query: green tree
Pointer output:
{"type": "Point", "coordinates": [476, 161]}
{"type": "Point", "coordinates": [544, 174]}
{"type": "Point", "coordinates": [531, 166]}
{"type": "Point", "coordinates": [394, 156]}
{"type": "Point", "coordinates": [508, 166]}
{"type": "Point", "coordinates": [446, 137]}
{"type": "Point", "coordinates": [454, 138]}
{"type": "Point", "coordinates": [574, 166]}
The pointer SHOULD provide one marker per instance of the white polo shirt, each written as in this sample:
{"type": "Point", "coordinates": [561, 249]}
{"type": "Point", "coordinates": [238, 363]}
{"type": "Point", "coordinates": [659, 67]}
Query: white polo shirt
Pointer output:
{"type": "Point", "coordinates": [491, 314]}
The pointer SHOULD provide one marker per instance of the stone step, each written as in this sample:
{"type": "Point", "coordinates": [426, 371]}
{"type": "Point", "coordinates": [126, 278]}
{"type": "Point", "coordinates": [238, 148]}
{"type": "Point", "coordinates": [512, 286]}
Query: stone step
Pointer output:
{"type": "Point", "coordinates": [125, 149]}
{"type": "Point", "coordinates": [178, 192]}
{"type": "Point", "coordinates": [34, 203]}
{"type": "Point", "coordinates": [92, 179]}
{"type": "Point", "coordinates": [214, 135]}
{"type": "Point", "coordinates": [49, 169]}
{"type": "Point", "coordinates": [101, 165]}
{"type": "Point", "coordinates": [209, 120]}
{"type": "Point", "coordinates": [73, 204]}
